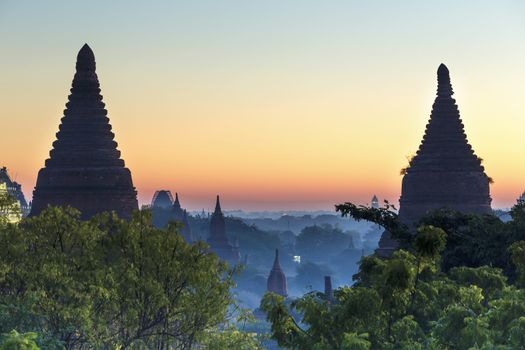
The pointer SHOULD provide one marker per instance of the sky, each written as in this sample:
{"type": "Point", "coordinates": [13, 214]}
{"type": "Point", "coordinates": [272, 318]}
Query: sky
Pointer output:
{"type": "Point", "coordinates": [273, 104]}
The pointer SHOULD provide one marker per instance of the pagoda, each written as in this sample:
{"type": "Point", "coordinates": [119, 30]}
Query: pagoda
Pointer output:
{"type": "Point", "coordinates": [84, 169]}
{"type": "Point", "coordinates": [445, 172]}
{"type": "Point", "coordinates": [276, 282]}
{"type": "Point", "coordinates": [14, 189]}
{"type": "Point", "coordinates": [374, 202]}
{"type": "Point", "coordinates": [162, 199]}
{"type": "Point", "coordinates": [178, 212]}
{"type": "Point", "coordinates": [218, 241]}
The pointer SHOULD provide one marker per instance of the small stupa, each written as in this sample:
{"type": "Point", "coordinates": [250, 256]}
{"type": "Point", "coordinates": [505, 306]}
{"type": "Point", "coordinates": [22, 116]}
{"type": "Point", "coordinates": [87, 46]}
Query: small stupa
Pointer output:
{"type": "Point", "coordinates": [276, 282]}
{"type": "Point", "coordinates": [178, 212]}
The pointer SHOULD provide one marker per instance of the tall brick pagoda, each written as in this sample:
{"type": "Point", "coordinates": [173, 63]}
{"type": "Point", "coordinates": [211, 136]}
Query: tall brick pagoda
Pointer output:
{"type": "Point", "coordinates": [445, 172]}
{"type": "Point", "coordinates": [84, 169]}
{"type": "Point", "coordinates": [276, 282]}
{"type": "Point", "coordinates": [218, 240]}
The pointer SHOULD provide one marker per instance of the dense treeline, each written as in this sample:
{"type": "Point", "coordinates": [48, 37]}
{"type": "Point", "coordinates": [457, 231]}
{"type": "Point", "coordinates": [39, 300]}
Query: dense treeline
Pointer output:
{"type": "Point", "coordinates": [108, 283]}
{"type": "Point", "coordinates": [457, 283]}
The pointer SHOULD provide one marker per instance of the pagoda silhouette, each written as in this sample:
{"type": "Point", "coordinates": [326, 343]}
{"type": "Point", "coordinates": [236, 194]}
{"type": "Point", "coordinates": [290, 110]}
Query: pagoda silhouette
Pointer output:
{"type": "Point", "coordinates": [445, 172]}
{"type": "Point", "coordinates": [276, 282]}
{"type": "Point", "coordinates": [84, 169]}
{"type": "Point", "coordinates": [218, 240]}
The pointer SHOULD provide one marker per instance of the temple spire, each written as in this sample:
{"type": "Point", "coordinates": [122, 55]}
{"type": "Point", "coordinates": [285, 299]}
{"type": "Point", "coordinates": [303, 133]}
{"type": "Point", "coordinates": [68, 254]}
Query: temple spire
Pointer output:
{"type": "Point", "coordinates": [444, 85]}
{"type": "Point", "coordinates": [84, 169]}
{"type": "Point", "coordinates": [86, 59]}
{"type": "Point", "coordinates": [276, 282]}
{"type": "Point", "coordinates": [178, 212]}
{"type": "Point", "coordinates": [276, 262]}
{"type": "Point", "coordinates": [445, 172]}
{"type": "Point", "coordinates": [218, 239]}
{"type": "Point", "coordinates": [177, 202]}
{"type": "Point", "coordinates": [218, 206]}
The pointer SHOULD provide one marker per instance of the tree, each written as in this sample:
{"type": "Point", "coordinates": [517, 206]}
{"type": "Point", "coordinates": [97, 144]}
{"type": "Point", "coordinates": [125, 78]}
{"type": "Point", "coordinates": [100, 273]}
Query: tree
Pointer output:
{"type": "Point", "coordinates": [409, 301]}
{"type": "Point", "coordinates": [320, 242]}
{"type": "Point", "coordinates": [109, 283]}
{"type": "Point", "coordinates": [16, 341]}
{"type": "Point", "coordinates": [310, 276]}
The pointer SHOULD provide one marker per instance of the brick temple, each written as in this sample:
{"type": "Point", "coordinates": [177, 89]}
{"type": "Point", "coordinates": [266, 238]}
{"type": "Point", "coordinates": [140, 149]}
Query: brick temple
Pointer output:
{"type": "Point", "coordinates": [445, 172]}
{"type": "Point", "coordinates": [84, 169]}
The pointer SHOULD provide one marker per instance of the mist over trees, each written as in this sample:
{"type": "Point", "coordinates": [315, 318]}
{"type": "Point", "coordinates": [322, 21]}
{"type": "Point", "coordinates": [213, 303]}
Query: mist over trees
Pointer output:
{"type": "Point", "coordinates": [456, 283]}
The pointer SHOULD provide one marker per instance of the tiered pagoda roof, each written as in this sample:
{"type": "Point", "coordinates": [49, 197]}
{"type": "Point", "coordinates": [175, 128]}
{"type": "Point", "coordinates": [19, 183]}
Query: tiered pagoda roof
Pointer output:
{"type": "Point", "coordinates": [445, 172]}
{"type": "Point", "coordinates": [84, 169]}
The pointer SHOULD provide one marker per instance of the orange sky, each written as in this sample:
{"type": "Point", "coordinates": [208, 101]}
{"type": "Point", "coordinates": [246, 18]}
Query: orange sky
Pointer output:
{"type": "Point", "coordinates": [262, 107]}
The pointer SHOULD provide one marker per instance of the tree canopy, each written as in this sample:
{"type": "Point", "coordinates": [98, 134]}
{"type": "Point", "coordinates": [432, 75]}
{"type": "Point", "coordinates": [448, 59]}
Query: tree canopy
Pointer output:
{"type": "Point", "coordinates": [108, 283]}
{"type": "Point", "coordinates": [439, 292]}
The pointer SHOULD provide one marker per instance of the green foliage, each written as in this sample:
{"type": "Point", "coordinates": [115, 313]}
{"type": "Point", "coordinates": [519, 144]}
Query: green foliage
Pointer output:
{"type": "Point", "coordinates": [409, 302]}
{"type": "Point", "coordinates": [385, 217]}
{"type": "Point", "coordinates": [16, 341]}
{"type": "Point", "coordinates": [9, 208]}
{"type": "Point", "coordinates": [233, 336]}
{"type": "Point", "coordinates": [517, 252]}
{"type": "Point", "coordinates": [108, 283]}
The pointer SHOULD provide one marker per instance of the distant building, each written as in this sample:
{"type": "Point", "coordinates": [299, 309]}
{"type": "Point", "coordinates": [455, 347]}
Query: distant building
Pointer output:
{"type": "Point", "coordinates": [276, 282]}
{"type": "Point", "coordinates": [14, 189]}
{"type": "Point", "coordinates": [162, 199]}
{"type": "Point", "coordinates": [521, 199]}
{"type": "Point", "coordinates": [84, 169]}
{"type": "Point", "coordinates": [218, 240]}
{"type": "Point", "coordinates": [445, 172]}
{"type": "Point", "coordinates": [164, 210]}
{"type": "Point", "coordinates": [375, 202]}
{"type": "Point", "coordinates": [178, 212]}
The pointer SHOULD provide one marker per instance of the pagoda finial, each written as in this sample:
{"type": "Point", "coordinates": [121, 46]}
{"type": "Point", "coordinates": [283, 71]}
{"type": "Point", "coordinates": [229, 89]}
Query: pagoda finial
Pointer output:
{"type": "Point", "coordinates": [276, 282]}
{"type": "Point", "coordinates": [86, 59]}
{"type": "Point", "coordinates": [177, 203]}
{"type": "Point", "coordinates": [276, 263]}
{"type": "Point", "coordinates": [444, 86]}
{"type": "Point", "coordinates": [218, 205]}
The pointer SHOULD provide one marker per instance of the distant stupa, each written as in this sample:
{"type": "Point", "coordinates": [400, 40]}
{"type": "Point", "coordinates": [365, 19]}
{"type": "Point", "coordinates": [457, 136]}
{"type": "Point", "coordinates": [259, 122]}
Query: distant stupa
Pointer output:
{"type": "Point", "coordinates": [85, 170]}
{"type": "Point", "coordinates": [162, 199]}
{"type": "Point", "coordinates": [14, 189]}
{"type": "Point", "coordinates": [375, 202]}
{"type": "Point", "coordinates": [218, 241]}
{"type": "Point", "coordinates": [445, 172]}
{"type": "Point", "coordinates": [521, 198]}
{"type": "Point", "coordinates": [276, 282]}
{"type": "Point", "coordinates": [178, 212]}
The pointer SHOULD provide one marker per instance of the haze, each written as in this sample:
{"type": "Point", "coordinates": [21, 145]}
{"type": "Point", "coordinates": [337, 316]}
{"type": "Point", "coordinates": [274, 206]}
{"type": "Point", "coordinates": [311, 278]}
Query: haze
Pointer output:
{"type": "Point", "coordinates": [271, 104]}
